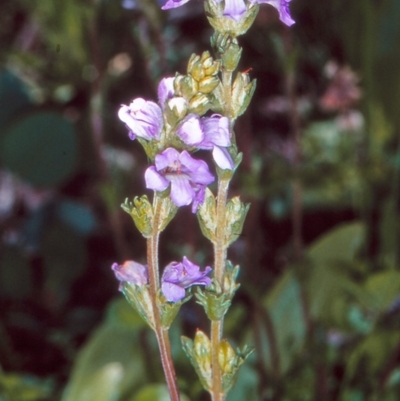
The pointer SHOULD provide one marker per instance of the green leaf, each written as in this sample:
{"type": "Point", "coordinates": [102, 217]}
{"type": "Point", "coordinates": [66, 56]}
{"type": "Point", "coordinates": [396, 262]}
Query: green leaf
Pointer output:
{"type": "Point", "coordinates": [41, 148]}
{"type": "Point", "coordinates": [284, 306]}
{"type": "Point", "coordinates": [112, 353]}
{"type": "Point", "coordinates": [383, 288]}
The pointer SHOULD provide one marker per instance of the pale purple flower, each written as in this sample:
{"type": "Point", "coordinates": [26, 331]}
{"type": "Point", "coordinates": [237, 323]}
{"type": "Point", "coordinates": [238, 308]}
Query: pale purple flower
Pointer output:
{"type": "Point", "coordinates": [235, 9]}
{"type": "Point", "coordinates": [211, 133]}
{"type": "Point", "coordinates": [143, 118]}
{"type": "Point", "coordinates": [178, 276]}
{"type": "Point", "coordinates": [187, 177]}
{"type": "Point", "coordinates": [130, 272]}
{"type": "Point", "coordinates": [283, 9]}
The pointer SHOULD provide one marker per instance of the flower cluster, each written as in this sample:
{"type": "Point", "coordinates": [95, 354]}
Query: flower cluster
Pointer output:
{"type": "Point", "coordinates": [176, 278]}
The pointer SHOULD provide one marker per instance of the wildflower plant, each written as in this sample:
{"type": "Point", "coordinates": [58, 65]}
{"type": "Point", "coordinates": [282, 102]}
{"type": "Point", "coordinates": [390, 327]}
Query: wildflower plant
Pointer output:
{"type": "Point", "coordinates": [194, 111]}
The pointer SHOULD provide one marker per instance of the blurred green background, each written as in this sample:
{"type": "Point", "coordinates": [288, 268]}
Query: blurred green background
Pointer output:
{"type": "Point", "coordinates": [319, 254]}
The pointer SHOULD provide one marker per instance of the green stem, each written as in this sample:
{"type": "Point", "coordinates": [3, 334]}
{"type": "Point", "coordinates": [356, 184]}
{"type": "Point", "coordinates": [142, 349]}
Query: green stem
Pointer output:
{"type": "Point", "coordinates": [154, 279]}
{"type": "Point", "coordinates": [220, 249]}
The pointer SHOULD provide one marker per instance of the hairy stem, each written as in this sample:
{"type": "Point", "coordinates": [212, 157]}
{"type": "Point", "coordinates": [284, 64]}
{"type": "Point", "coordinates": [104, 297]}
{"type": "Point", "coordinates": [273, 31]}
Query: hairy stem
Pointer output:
{"type": "Point", "coordinates": [154, 279]}
{"type": "Point", "coordinates": [220, 250]}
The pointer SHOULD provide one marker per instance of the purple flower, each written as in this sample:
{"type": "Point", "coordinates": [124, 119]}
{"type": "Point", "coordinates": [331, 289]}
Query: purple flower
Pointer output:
{"type": "Point", "coordinates": [165, 90]}
{"type": "Point", "coordinates": [210, 133]}
{"type": "Point", "coordinates": [178, 276]}
{"type": "Point", "coordinates": [131, 272]}
{"type": "Point", "coordinates": [235, 9]}
{"type": "Point", "coordinates": [187, 177]}
{"type": "Point", "coordinates": [143, 118]}
{"type": "Point", "coordinates": [283, 8]}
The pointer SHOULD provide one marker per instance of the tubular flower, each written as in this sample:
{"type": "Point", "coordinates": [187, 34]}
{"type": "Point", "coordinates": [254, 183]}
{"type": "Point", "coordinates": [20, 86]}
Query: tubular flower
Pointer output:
{"type": "Point", "coordinates": [211, 133]}
{"type": "Point", "coordinates": [186, 176]}
{"type": "Point", "coordinates": [178, 276]}
{"type": "Point", "coordinates": [131, 272]}
{"type": "Point", "coordinates": [144, 118]}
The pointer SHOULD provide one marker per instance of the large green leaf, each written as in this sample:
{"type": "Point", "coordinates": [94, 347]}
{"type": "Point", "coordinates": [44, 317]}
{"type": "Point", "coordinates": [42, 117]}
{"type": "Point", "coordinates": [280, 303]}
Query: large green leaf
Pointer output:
{"type": "Point", "coordinates": [112, 353]}
{"type": "Point", "coordinates": [284, 307]}
{"type": "Point", "coordinates": [328, 282]}
{"type": "Point", "coordinates": [41, 148]}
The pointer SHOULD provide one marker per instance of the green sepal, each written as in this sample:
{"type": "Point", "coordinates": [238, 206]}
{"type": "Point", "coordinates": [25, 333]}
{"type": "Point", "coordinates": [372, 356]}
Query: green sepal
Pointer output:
{"type": "Point", "coordinates": [216, 301]}
{"type": "Point", "coordinates": [200, 104]}
{"type": "Point", "coordinates": [228, 49]}
{"type": "Point", "coordinates": [242, 92]}
{"type": "Point", "coordinates": [230, 361]}
{"type": "Point", "coordinates": [167, 212]}
{"type": "Point", "coordinates": [141, 212]}
{"type": "Point", "coordinates": [169, 310]}
{"type": "Point", "coordinates": [138, 296]}
{"type": "Point", "coordinates": [226, 25]}
{"type": "Point", "coordinates": [199, 354]}
{"type": "Point", "coordinates": [236, 212]}
{"type": "Point", "coordinates": [237, 159]}
{"type": "Point", "coordinates": [151, 148]}
{"type": "Point", "coordinates": [207, 216]}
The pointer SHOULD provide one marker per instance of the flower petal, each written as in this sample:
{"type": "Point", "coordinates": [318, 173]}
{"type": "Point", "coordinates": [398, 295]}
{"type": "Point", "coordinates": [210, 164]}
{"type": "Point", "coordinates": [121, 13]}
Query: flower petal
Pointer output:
{"type": "Point", "coordinates": [131, 272]}
{"type": "Point", "coordinates": [222, 158]}
{"type": "Point", "coordinates": [168, 158]}
{"type": "Point", "coordinates": [197, 169]}
{"type": "Point", "coordinates": [165, 90]}
{"type": "Point", "coordinates": [235, 9]}
{"type": "Point", "coordinates": [172, 292]}
{"type": "Point", "coordinates": [182, 192]}
{"type": "Point", "coordinates": [190, 130]}
{"type": "Point", "coordinates": [216, 131]}
{"type": "Point", "coordinates": [283, 8]}
{"type": "Point", "coordinates": [173, 4]}
{"type": "Point", "coordinates": [154, 180]}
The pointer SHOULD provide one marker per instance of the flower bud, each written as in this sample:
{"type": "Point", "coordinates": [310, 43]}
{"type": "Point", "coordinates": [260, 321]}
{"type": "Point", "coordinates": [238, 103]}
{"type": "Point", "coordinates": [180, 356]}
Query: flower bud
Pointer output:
{"type": "Point", "coordinates": [199, 104]}
{"type": "Point", "coordinates": [175, 110]}
{"type": "Point", "coordinates": [208, 84]}
{"type": "Point", "coordinates": [187, 87]}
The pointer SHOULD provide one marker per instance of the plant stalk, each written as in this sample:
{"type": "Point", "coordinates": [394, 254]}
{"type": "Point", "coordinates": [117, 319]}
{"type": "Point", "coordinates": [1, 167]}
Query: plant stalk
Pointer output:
{"type": "Point", "coordinates": [154, 280]}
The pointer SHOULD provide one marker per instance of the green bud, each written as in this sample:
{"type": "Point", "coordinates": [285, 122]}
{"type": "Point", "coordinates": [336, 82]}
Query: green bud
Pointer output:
{"type": "Point", "coordinates": [169, 310]}
{"type": "Point", "coordinates": [230, 361]}
{"type": "Point", "coordinates": [175, 110]}
{"type": "Point", "coordinates": [139, 298]}
{"type": "Point", "coordinates": [236, 212]}
{"type": "Point", "coordinates": [231, 57]}
{"type": "Point", "coordinates": [141, 212]}
{"type": "Point", "coordinates": [242, 92]}
{"type": "Point", "coordinates": [207, 216]}
{"type": "Point", "coordinates": [215, 300]}
{"type": "Point", "coordinates": [167, 212]}
{"type": "Point", "coordinates": [199, 354]}
{"type": "Point", "coordinates": [186, 86]}
{"type": "Point", "coordinates": [199, 104]}
{"type": "Point", "coordinates": [206, 59]}
{"type": "Point", "coordinates": [208, 84]}
{"type": "Point", "coordinates": [213, 69]}
{"type": "Point", "coordinates": [193, 61]}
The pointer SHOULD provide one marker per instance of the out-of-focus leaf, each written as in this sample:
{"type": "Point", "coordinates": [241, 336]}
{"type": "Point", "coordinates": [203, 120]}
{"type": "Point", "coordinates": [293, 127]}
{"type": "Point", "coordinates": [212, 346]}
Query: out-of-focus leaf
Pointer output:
{"type": "Point", "coordinates": [370, 356]}
{"type": "Point", "coordinates": [41, 148]}
{"type": "Point", "coordinates": [155, 392]}
{"type": "Point", "coordinates": [104, 384]}
{"type": "Point", "coordinates": [246, 384]}
{"type": "Point", "coordinates": [340, 244]}
{"type": "Point", "coordinates": [121, 314]}
{"type": "Point", "coordinates": [113, 347]}
{"type": "Point", "coordinates": [23, 388]}
{"type": "Point", "coordinates": [389, 232]}
{"type": "Point", "coordinates": [64, 257]}
{"type": "Point", "coordinates": [15, 274]}
{"type": "Point", "coordinates": [383, 288]}
{"type": "Point", "coordinates": [76, 215]}
{"type": "Point", "coordinates": [284, 306]}
{"type": "Point", "coordinates": [13, 97]}
{"type": "Point", "coordinates": [327, 283]}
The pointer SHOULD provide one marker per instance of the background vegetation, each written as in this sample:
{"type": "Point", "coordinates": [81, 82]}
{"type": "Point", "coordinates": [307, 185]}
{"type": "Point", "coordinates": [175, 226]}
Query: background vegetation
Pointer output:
{"type": "Point", "coordinates": [319, 255]}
